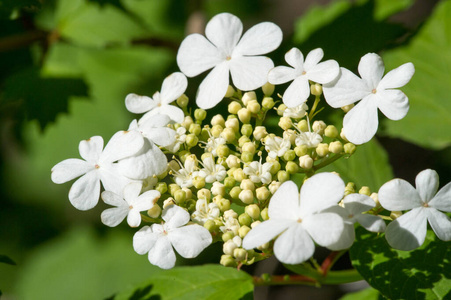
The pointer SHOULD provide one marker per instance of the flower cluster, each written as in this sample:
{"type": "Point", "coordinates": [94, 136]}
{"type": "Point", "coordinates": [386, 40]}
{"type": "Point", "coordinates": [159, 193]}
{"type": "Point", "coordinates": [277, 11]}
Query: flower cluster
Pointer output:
{"type": "Point", "coordinates": [233, 181]}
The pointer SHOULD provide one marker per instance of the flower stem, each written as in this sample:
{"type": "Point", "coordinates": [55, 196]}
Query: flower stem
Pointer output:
{"type": "Point", "coordinates": [315, 104]}
{"type": "Point", "coordinates": [328, 161]}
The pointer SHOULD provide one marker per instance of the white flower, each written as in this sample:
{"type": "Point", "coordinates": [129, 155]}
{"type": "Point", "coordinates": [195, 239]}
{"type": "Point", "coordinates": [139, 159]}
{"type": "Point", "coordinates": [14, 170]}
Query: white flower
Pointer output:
{"type": "Point", "coordinates": [353, 210]}
{"type": "Point", "coordinates": [212, 172]}
{"type": "Point", "coordinates": [205, 211]}
{"type": "Point", "coordinates": [128, 206]}
{"type": "Point", "coordinates": [213, 144]}
{"type": "Point", "coordinates": [276, 146]}
{"type": "Point", "coordinates": [409, 231]}
{"type": "Point", "coordinates": [360, 123]}
{"type": "Point", "coordinates": [159, 240]}
{"type": "Point", "coordinates": [258, 172]}
{"type": "Point", "coordinates": [310, 139]}
{"type": "Point", "coordinates": [173, 87]}
{"type": "Point", "coordinates": [296, 112]}
{"type": "Point", "coordinates": [97, 166]}
{"type": "Point", "coordinates": [231, 224]}
{"type": "Point", "coordinates": [297, 219]}
{"type": "Point", "coordinates": [180, 138]}
{"type": "Point", "coordinates": [185, 175]}
{"type": "Point", "coordinates": [301, 72]}
{"type": "Point", "coordinates": [226, 53]}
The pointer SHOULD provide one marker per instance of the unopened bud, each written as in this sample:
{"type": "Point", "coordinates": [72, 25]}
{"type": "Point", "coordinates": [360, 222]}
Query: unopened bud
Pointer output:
{"type": "Point", "coordinates": [336, 147]}
{"type": "Point", "coordinates": [191, 140]}
{"type": "Point", "coordinates": [199, 182]}
{"type": "Point", "coordinates": [179, 196]}
{"type": "Point", "coordinates": [322, 149]}
{"type": "Point", "coordinates": [242, 140]}
{"type": "Point", "coordinates": [349, 148]}
{"type": "Point", "coordinates": [246, 129]}
{"type": "Point", "coordinates": [154, 212]}
{"type": "Point", "coordinates": [283, 176]}
{"type": "Point", "coordinates": [200, 114]}
{"type": "Point", "coordinates": [218, 188]}
{"type": "Point", "coordinates": [395, 214]}
{"type": "Point", "coordinates": [227, 261]}
{"type": "Point", "coordinates": [289, 155]}
{"type": "Point", "coordinates": [228, 247]}
{"type": "Point", "coordinates": [273, 186]}
{"type": "Point", "coordinates": [229, 182]}
{"type": "Point", "coordinates": [316, 89]}
{"type": "Point", "coordinates": [240, 254]}
{"type": "Point", "coordinates": [350, 188]}
{"type": "Point", "coordinates": [253, 211]}
{"type": "Point", "coordinates": [222, 151]}
{"type": "Point", "coordinates": [331, 131]}
{"type": "Point", "coordinates": [210, 225]}
{"type": "Point", "coordinates": [275, 167]}
{"type": "Point", "coordinates": [246, 196]}
{"type": "Point", "coordinates": [306, 162]}
{"type": "Point", "coordinates": [268, 103]}
{"type": "Point", "coordinates": [228, 134]}
{"type": "Point", "coordinates": [161, 187]}
{"type": "Point", "coordinates": [249, 147]}
{"type": "Point", "coordinates": [253, 106]}
{"type": "Point", "coordinates": [301, 150]}
{"type": "Point", "coordinates": [235, 192]}
{"type": "Point", "coordinates": [247, 184]}
{"type": "Point", "coordinates": [216, 130]}
{"type": "Point", "coordinates": [187, 122]}
{"type": "Point", "coordinates": [318, 127]}
{"type": "Point", "coordinates": [243, 231]}
{"type": "Point", "coordinates": [285, 123]}
{"type": "Point", "coordinates": [173, 187]}
{"type": "Point", "coordinates": [365, 191]}
{"type": "Point", "coordinates": [230, 92]}
{"type": "Point", "coordinates": [245, 219]}
{"type": "Point", "coordinates": [195, 129]}
{"type": "Point", "coordinates": [291, 167]}
{"type": "Point", "coordinates": [247, 157]}
{"type": "Point", "coordinates": [248, 96]}
{"type": "Point", "coordinates": [343, 136]}
{"type": "Point", "coordinates": [182, 101]}
{"type": "Point", "coordinates": [348, 107]}
{"type": "Point", "coordinates": [262, 193]}
{"type": "Point", "coordinates": [264, 214]}
{"type": "Point", "coordinates": [239, 175]}
{"type": "Point", "coordinates": [303, 125]}
{"type": "Point", "coordinates": [268, 89]}
{"type": "Point", "coordinates": [227, 236]}
{"type": "Point", "coordinates": [233, 124]}
{"type": "Point", "coordinates": [234, 107]}
{"type": "Point", "coordinates": [281, 109]}
{"type": "Point", "coordinates": [260, 132]}
{"type": "Point", "coordinates": [232, 161]}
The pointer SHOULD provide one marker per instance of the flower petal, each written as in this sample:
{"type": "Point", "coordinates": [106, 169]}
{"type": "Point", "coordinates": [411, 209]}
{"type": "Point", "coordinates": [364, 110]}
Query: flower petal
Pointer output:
{"type": "Point", "coordinates": [294, 246]}
{"type": "Point", "coordinates": [121, 145]}
{"type": "Point", "coordinates": [144, 240]}
{"type": "Point", "coordinates": [324, 72]}
{"type": "Point", "coordinates": [295, 59]}
{"type": "Point", "coordinates": [440, 223]}
{"type": "Point", "coordinates": [320, 192]}
{"type": "Point", "coordinates": [133, 218]}
{"type": "Point", "coordinates": [398, 194]}
{"type": "Point", "coordinates": [281, 74]}
{"type": "Point", "coordinates": [313, 58]}
{"type": "Point", "coordinates": [114, 216]}
{"type": "Point", "coordinates": [224, 30]}
{"type": "Point", "coordinates": [113, 199]}
{"type": "Point", "coordinates": [173, 87]}
{"type": "Point", "coordinates": [113, 180]}
{"type": "Point", "coordinates": [325, 228]}
{"type": "Point", "coordinates": [132, 191]}
{"type": "Point", "coordinates": [426, 184]}
{"type": "Point", "coordinates": [265, 232]}
{"type": "Point", "coordinates": [146, 200]}
{"type": "Point", "coordinates": [197, 55]}
{"type": "Point", "coordinates": [214, 87]}
{"type": "Point", "coordinates": [360, 123]}
{"type": "Point", "coordinates": [371, 69]}
{"type": "Point", "coordinates": [346, 89]}
{"type": "Point", "coordinates": [398, 77]}
{"type": "Point", "coordinates": [175, 216]}
{"type": "Point", "coordinates": [70, 169]}
{"type": "Point", "coordinates": [162, 254]}
{"type": "Point", "coordinates": [371, 223]}
{"type": "Point", "coordinates": [358, 203]}
{"type": "Point", "coordinates": [297, 92]}
{"type": "Point", "coordinates": [91, 149]}
{"type": "Point", "coordinates": [250, 72]}
{"type": "Point", "coordinates": [138, 104]}
{"type": "Point", "coordinates": [408, 231]}
{"type": "Point", "coordinates": [259, 39]}
{"type": "Point", "coordinates": [394, 104]}
{"type": "Point", "coordinates": [284, 204]}
{"type": "Point", "coordinates": [189, 241]}
{"type": "Point", "coordinates": [346, 238]}
{"type": "Point", "coordinates": [84, 193]}
{"type": "Point", "coordinates": [442, 201]}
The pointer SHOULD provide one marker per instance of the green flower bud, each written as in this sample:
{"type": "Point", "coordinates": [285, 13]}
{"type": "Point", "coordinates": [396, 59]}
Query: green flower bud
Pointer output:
{"type": "Point", "coordinates": [253, 106]}
{"type": "Point", "coordinates": [395, 214]}
{"type": "Point", "coordinates": [350, 188]}
{"type": "Point", "coordinates": [243, 231]}
{"type": "Point", "coordinates": [222, 151]}
{"type": "Point", "coordinates": [172, 188]}
{"type": "Point", "coordinates": [205, 155]}
{"type": "Point", "coordinates": [273, 186]}
{"type": "Point", "coordinates": [268, 89]}
{"type": "Point", "coordinates": [322, 149]}
{"type": "Point", "coordinates": [204, 194]}
{"type": "Point", "coordinates": [242, 140]}
{"type": "Point", "coordinates": [283, 176]}
{"type": "Point", "coordinates": [227, 261]}
{"type": "Point", "coordinates": [239, 175]}
{"type": "Point", "coordinates": [255, 224]}
{"type": "Point", "coordinates": [336, 147]}
{"type": "Point", "coordinates": [154, 212]}
{"type": "Point", "coordinates": [319, 127]}
{"type": "Point", "coordinates": [248, 96]}
{"type": "Point", "coordinates": [218, 120]}
{"type": "Point", "coordinates": [246, 196]}
{"type": "Point", "coordinates": [161, 187]}
{"type": "Point", "coordinates": [218, 189]}
{"type": "Point", "coordinates": [281, 109]}
{"type": "Point", "coordinates": [223, 203]}
{"type": "Point", "coordinates": [200, 114]}
{"type": "Point", "coordinates": [179, 196]}
{"type": "Point", "coordinates": [347, 108]}
{"type": "Point", "coordinates": [229, 182]}
{"type": "Point", "coordinates": [365, 191]}
{"type": "Point", "coordinates": [227, 236]}
{"type": "Point", "coordinates": [331, 131]}
{"type": "Point", "coordinates": [247, 184]}
{"type": "Point", "coordinates": [291, 167]}
{"type": "Point", "coordinates": [240, 254]}
{"type": "Point", "coordinates": [191, 205]}
{"type": "Point", "coordinates": [244, 115]}
{"type": "Point", "coordinates": [230, 92]}
{"type": "Point", "coordinates": [316, 89]}
{"type": "Point", "coordinates": [285, 123]}
{"type": "Point", "coordinates": [235, 192]}
{"type": "Point", "coordinates": [262, 193]}
{"type": "Point", "coordinates": [210, 225]}
{"type": "Point", "coordinates": [232, 161]}
{"type": "Point", "coordinates": [349, 148]}
{"type": "Point", "coordinates": [289, 155]}
{"type": "Point", "coordinates": [301, 150]}
{"type": "Point", "coordinates": [234, 107]}
{"type": "Point", "coordinates": [260, 132]}
{"type": "Point", "coordinates": [303, 125]}
{"type": "Point", "coordinates": [199, 182]}
{"type": "Point", "coordinates": [264, 214]}
{"type": "Point", "coordinates": [268, 103]}
{"type": "Point", "coordinates": [195, 129]}
{"type": "Point", "coordinates": [229, 135]}
{"type": "Point", "coordinates": [275, 167]}
{"type": "Point", "coordinates": [248, 147]}
{"type": "Point", "coordinates": [246, 129]}
{"type": "Point", "coordinates": [191, 140]}
{"type": "Point", "coordinates": [216, 130]}
{"type": "Point", "coordinates": [306, 162]}
{"type": "Point", "coordinates": [252, 211]}
{"type": "Point", "coordinates": [233, 124]}
{"type": "Point", "coordinates": [182, 101]}
{"type": "Point", "coordinates": [187, 122]}
{"type": "Point", "coordinates": [247, 156]}
{"type": "Point", "coordinates": [245, 219]}
{"type": "Point", "coordinates": [343, 136]}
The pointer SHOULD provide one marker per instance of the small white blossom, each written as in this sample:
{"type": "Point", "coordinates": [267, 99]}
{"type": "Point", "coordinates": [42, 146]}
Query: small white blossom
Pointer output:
{"type": "Point", "coordinates": [301, 72]}
{"type": "Point", "coordinates": [408, 232]}
{"type": "Point", "coordinates": [205, 211]}
{"type": "Point", "coordinates": [297, 220]}
{"type": "Point", "coordinates": [375, 92]}
{"type": "Point", "coordinates": [173, 87]}
{"type": "Point", "coordinates": [98, 166]}
{"type": "Point", "coordinates": [276, 146]}
{"type": "Point", "coordinates": [296, 112]}
{"type": "Point", "coordinates": [259, 172]}
{"type": "Point", "coordinates": [213, 144]}
{"type": "Point", "coordinates": [212, 172]}
{"type": "Point", "coordinates": [310, 139]}
{"type": "Point", "coordinates": [185, 175]}
{"type": "Point", "coordinates": [128, 206]}
{"type": "Point", "coordinates": [180, 138]}
{"type": "Point", "coordinates": [159, 241]}
{"type": "Point", "coordinates": [231, 224]}
{"type": "Point", "coordinates": [226, 53]}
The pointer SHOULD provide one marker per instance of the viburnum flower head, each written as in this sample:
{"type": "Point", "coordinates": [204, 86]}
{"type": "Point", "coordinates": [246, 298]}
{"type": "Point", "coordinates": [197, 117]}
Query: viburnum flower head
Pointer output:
{"type": "Point", "coordinates": [375, 92]}
{"type": "Point", "coordinates": [173, 87]}
{"type": "Point", "coordinates": [130, 205]}
{"type": "Point", "coordinates": [97, 166]}
{"type": "Point", "coordinates": [301, 72]}
{"type": "Point", "coordinates": [160, 239]}
{"type": "Point", "coordinates": [425, 204]}
{"type": "Point", "coordinates": [296, 220]}
{"type": "Point", "coordinates": [225, 52]}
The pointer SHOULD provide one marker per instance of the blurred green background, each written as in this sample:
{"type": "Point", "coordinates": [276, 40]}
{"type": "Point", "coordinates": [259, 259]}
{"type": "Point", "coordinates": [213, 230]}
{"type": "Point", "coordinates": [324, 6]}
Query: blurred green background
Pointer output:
{"type": "Point", "coordinates": [66, 66]}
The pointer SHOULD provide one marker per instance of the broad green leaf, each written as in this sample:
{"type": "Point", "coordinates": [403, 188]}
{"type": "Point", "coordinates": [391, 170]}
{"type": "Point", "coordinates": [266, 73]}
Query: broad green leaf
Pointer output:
{"type": "Point", "coordinates": [366, 294]}
{"type": "Point", "coordinates": [6, 260]}
{"type": "Point", "coordinates": [202, 282]}
{"type": "Point", "coordinates": [424, 273]}
{"type": "Point", "coordinates": [368, 166]}
{"type": "Point", "coordinates": [429, 119]}
{"type": "Point", "coordinates": [62, 60]}
{"type": "Point", "coordinates": [82, 265]}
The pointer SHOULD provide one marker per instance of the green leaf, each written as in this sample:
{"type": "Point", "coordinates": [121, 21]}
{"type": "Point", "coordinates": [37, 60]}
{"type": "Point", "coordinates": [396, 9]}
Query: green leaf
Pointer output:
{"type": "Point", "coordinates": [9, 7]}
{"type": "Point", "coordinates": [82, 265]}
{"type": "Point", "coordinates": [429, 119]}
{"type": "Point", "coordinates": [6, 260]}
{"type": "Point", "coordinates": [424, 273]}
{"type": "Point", "coordinates": [368, 166]}
{"type": "Point", "coordinates": [202, 282]}
{"type": "Point", "coordinates": [366, 294]}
